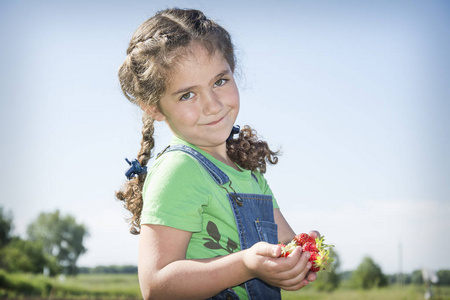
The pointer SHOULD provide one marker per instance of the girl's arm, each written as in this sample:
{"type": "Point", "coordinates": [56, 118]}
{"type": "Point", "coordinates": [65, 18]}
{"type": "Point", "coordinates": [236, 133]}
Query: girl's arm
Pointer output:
{"type": "Point", "coordinates": [285, 232]}
{"type": "Point", "coordinates": [165, 273]}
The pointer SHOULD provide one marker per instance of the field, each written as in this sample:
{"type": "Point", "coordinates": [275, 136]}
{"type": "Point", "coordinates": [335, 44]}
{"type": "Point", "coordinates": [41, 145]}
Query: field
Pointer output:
{"type": "Point", "coordinates": [410, 292]}
{"type": "Point", "coordinates": [95, 286]}
{"type": "Point", "coordinates": [118, 286]}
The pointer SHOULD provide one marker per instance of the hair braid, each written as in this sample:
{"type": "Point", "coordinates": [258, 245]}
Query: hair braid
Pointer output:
{"type": "Point", "coordinates": [132, 193]}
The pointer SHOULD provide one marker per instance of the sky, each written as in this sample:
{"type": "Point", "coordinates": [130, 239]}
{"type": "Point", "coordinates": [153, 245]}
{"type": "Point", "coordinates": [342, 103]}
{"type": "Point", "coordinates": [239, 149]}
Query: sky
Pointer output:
{"type": "Point", "coordinates": [354, 93]}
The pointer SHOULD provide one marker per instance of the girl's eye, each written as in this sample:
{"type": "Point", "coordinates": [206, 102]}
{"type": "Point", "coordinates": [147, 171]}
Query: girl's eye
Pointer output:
{"type": "Point", "coordinates": [220, 82]}
{"type": "Point", "coordinates": [187, 96]}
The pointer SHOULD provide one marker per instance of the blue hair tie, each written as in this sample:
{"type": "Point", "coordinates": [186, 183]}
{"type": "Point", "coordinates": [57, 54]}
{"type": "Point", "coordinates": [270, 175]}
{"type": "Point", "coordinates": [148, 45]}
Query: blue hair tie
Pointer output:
{"type": "Point", "coordinates": [135, 169]}
{"type": "Point", "coordinates": [234, 131]}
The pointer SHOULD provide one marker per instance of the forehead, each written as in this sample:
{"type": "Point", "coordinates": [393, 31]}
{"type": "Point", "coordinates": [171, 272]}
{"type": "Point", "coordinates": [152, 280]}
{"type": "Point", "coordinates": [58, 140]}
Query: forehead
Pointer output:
{"type": "Point", "coordinates": [194, 63]}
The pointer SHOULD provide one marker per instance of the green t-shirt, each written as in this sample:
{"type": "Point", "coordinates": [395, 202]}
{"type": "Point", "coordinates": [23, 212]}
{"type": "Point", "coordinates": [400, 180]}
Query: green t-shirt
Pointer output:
{"type": "Point", "coordinates": [178, 192]}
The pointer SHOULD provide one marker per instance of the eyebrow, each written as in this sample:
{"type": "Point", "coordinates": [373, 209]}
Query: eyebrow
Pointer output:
{"type": "Point", "coordinates": [190, 88]}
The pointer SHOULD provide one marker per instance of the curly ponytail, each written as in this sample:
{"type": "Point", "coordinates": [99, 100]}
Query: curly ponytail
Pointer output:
{"type": "Point", "coordinates": [249, 152]}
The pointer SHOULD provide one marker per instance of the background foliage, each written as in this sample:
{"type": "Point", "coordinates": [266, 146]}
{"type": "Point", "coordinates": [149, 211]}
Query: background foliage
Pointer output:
{"type": "Point", "coordinates": [54, 245]}
{"type": "Point", "coordinates": [55, 242]}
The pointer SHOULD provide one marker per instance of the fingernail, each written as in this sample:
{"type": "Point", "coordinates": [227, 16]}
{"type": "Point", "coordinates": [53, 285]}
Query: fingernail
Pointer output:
{"type": "Point", "coordinates": [309, 265]}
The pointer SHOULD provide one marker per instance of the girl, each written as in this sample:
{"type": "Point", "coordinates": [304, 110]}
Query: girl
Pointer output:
{"type": "Point", "coordinates": [207, 218]}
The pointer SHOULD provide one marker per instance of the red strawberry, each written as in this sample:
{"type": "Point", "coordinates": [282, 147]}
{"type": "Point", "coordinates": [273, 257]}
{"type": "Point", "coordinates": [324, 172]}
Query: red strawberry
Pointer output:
{"type": "Point", "coordinates": [302, 238]}
{"type": "Point", "coordinates": [312, 259]}
{"type": "Point", "coordinates": [287, 249]}
{"type": "Point", "coordinates": [321, 259]}
{"type": "Point", "coordinates": [310, 247]}
{"type": "Point", "coordinates": [283, 252]}
{"type": "Point", "coordinates": [319, 252]}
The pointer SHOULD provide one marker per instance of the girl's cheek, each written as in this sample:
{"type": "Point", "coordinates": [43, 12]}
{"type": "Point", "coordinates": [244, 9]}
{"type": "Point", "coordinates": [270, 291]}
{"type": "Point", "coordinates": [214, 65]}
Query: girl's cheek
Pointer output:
{"type": "Point", "coordinates": [190, 116]}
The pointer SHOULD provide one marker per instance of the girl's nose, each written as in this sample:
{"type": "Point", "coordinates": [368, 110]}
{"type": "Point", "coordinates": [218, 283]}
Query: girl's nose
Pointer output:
{"type": "Point", "coordinates": [212, 103]}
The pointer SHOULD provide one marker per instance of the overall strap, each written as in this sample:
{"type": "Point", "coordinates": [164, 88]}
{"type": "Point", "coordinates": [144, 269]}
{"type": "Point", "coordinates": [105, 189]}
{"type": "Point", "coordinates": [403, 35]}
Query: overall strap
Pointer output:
{"type": "Point", "coordinates": [218, 175]}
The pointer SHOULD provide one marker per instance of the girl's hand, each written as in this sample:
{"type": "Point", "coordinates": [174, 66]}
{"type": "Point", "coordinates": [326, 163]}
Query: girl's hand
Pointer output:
{"type": "Point", "coordinates": [263, 261]}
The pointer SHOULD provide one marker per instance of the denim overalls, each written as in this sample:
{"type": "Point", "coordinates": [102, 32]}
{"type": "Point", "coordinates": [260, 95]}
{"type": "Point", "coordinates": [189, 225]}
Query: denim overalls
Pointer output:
{"type": "Point", "coordinates": [254, 221]}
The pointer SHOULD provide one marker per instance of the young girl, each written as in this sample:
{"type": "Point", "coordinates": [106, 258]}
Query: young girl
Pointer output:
{"type": "Point", "coordinates": [208, 222]}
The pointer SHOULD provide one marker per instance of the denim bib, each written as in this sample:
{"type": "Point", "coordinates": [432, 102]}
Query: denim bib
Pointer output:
{"type": "Point", "coordinates": [254, 218]}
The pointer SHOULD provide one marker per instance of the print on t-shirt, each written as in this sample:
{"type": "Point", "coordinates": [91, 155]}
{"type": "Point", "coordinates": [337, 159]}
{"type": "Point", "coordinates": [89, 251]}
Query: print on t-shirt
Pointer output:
{"type": "Point", "coordinates": [214, 243]}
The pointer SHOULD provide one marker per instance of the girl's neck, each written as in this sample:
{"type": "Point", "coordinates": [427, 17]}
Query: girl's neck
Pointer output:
{"type": "Point", "coordinates": [221, 155]}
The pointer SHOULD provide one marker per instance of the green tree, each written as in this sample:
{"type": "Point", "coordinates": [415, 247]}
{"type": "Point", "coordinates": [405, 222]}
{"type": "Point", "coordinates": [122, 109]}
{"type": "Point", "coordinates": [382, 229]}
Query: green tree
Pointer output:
{"type": "Point", "coordinates": [62, 238]}
{"type": "Point", "coordinates": [329, 281]}
{"type": "Point", "coordinates": [368, 275]}
{"type": "Point", "coordinates": [26, 256]}
{"type": "Point", "coordinates": [6, 226]}
{"type": "Point", "coordinates": [444, 277]}
{"type": "Point", "coordinates": [416, 277]}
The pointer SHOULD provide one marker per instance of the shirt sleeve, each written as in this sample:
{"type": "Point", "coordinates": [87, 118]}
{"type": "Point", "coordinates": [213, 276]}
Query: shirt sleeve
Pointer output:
{"type": "Point", "coordinates": [265, 188]}
{"type": "Point", "coordinates": [175, 193]}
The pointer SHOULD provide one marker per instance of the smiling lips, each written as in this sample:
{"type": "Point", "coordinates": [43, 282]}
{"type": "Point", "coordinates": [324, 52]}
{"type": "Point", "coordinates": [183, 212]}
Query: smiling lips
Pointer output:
{"type": "Point", "coordinates": [215, 122]}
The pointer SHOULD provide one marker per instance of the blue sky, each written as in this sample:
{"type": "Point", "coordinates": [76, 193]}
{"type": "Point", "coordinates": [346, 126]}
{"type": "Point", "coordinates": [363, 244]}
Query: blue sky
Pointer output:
{"type": "Point", "coordinates": [355, 93]}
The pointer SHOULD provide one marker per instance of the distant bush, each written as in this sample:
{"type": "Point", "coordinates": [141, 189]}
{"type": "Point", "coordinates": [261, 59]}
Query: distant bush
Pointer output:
{"type": "Point", "coordinates": [444, 277]}
{"type": "Point", "coordinates": [18, 284]}
{"type": "Point", "coordinates": [368, 275]}
{"type": "Point", "coordinates": [26, 256]}
{"type": "Point", "coordinates": [416, 277]}
{"type": "Point", "coordinates": [125, 269]}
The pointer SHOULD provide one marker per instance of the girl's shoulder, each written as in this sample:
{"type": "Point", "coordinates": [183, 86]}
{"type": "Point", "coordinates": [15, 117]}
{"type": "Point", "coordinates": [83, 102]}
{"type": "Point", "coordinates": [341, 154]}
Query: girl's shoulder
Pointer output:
{"type": "Point", "coordinates": [259, 177]}
{"type": "Point", "coordinates": [175, 163]}
{"type": "Point", "coordinates": [262, 182]}
{"type": "Point", "coordinates": [176, 169]}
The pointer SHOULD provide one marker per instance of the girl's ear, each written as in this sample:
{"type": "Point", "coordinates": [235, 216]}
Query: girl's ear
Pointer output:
{"type": "Point", "coordinates": [154, 112]}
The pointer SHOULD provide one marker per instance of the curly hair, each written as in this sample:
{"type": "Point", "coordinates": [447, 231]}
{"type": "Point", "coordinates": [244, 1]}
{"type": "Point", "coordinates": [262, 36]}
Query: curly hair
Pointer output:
{"type": "Point", "coordinates": [155, 46]}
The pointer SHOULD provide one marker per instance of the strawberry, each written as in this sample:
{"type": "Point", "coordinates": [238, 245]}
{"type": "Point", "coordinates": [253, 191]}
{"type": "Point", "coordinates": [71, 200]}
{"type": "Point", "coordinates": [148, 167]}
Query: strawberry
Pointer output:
{"type": "Point", "coordinates": [312, 259]}
{"type": "Point", "coordinates": [287, 249]}
{"type": "Point", "coordinates": [310, 247]}
{"type": "Point", "coordinates": [283, 252]}
{"type": "Point", "coordinates": [302, 238]}
{"type": "Point", "coordinates": [319, 252]}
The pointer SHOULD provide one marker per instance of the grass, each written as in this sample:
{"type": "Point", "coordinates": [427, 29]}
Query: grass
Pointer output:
{"type": "Point", "coordinates": [395, 292]}
{"type": "Point", "coordinates": [85, 286]}
{"type": "Point", "coordinates": [122, 286]}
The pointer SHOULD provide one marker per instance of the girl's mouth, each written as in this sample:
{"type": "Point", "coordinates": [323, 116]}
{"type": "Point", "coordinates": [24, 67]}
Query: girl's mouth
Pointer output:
{"type": "Point", "coordinates": [215, 122]}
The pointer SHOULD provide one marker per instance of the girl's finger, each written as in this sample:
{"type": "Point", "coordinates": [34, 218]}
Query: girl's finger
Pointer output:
{"type": "Point", "coordinates": [314, 234]}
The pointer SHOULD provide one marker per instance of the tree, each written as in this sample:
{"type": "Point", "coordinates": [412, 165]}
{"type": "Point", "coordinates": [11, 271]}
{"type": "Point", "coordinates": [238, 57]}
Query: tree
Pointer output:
{"type": "Point", "coordinates": [416, 277]}
{"type": "Point", "coordinates": [369, 275]}
{"type": "Point", "coordinates": [444, 277]}
{"type": "Point", "coordinates": [26, 256]}
{"type": "Point", "coordinates": [6, 226]}
{"type": "Point", "coordinates": [329, 281]}
{"type": "Point", "coordinates": [62, 238]}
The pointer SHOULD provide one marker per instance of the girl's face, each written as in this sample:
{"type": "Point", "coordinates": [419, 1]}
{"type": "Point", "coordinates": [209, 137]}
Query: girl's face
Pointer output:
{"type": "Point", "coordinates": [201, 102]}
